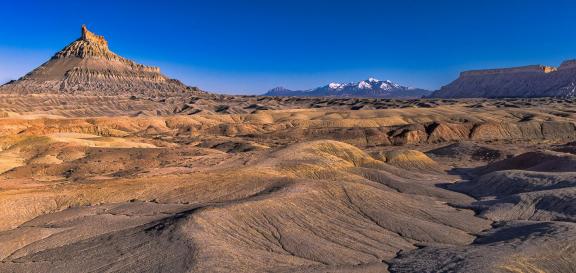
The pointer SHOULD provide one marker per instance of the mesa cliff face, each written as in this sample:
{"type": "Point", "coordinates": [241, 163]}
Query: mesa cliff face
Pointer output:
{"type": "Point", "coordinates": [526, 81]}
{"type": "Point", "coordinates": [87, 65]}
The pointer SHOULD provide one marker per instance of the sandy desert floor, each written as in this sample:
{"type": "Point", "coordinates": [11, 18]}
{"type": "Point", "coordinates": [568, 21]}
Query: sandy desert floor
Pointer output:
{"type": "Point", "coordinates": [251, 184]}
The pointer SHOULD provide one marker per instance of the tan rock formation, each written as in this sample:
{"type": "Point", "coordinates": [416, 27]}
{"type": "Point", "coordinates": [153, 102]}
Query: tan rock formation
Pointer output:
{"type": "Point", "coordinates": [93, 38]}
{"type": "Point", "coordinates": [87, 65]}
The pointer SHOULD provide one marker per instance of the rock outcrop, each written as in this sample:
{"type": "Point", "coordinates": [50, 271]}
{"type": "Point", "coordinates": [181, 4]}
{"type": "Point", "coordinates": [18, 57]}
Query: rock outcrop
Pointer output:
{"type": "Point", "coordinates": [525, 81]}
{"type": "Point", "coordinates": [87, 65]}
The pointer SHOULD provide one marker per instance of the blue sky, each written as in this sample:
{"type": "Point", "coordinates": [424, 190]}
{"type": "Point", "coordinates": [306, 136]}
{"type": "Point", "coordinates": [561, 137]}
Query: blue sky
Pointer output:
{"type": "Point", "coordinates": [253, 45]}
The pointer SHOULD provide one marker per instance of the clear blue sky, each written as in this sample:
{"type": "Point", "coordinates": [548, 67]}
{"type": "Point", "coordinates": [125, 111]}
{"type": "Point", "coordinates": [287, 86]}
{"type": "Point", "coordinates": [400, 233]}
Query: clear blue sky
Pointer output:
{"type": "Point", "coordinates": [253, 45]}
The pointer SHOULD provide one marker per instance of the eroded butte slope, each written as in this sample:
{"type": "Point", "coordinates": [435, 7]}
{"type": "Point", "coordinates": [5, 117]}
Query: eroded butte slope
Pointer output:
{"type": "Point", "coordinates": [318, 190]}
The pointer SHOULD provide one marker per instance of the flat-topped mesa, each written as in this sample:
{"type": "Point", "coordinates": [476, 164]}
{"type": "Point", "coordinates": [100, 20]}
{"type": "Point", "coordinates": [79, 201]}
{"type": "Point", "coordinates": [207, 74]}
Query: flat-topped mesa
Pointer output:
{"type": "Point", "coordinates": [93, 38]}
{"type": "Point", "coordinates": [524, 81]}
{"type": "Point", "coordinates": [568, 64]}
{"type": "Point", "coordinates": [521, 69]}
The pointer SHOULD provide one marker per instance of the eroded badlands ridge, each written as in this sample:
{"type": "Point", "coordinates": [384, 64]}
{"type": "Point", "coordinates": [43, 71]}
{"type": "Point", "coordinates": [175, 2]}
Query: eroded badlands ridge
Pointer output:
{"type": "Point", "coordinates": [387, 127]}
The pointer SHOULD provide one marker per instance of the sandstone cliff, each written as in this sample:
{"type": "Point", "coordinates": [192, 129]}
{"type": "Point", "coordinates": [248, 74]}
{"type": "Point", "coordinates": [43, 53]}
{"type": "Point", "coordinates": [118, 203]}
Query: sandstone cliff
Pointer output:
{"type": "Point", "coordinates": [87, 65]}
{"type": "Point", "coordinates": [526, 81]}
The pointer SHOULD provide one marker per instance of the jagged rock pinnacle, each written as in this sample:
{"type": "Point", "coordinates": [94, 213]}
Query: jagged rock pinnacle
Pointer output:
{"type": "Point", "coordinates": [84, 31]}
{"type": "Point", "coordinates": [93, 38]}
{"type": "Point", "coordinates": [89, 45]}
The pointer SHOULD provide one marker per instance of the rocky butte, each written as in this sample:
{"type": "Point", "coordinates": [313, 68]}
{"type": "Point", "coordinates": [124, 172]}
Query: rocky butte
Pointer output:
{"type": "Point", "coordinates": [87, 65]}
{"type": "Point", "coordinates": [525, 81]}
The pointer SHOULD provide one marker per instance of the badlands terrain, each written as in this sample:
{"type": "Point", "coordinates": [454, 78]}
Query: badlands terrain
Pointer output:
{"type": "Point", "coordinates": [417, 186]}
{"type": "Point", "coordinates": [109, 166]}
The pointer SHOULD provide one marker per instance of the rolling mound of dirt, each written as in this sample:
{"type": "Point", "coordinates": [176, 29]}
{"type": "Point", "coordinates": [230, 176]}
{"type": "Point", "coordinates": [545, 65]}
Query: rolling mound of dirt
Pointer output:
{"type": "Point", "coordinates": [534, 186]}
{"type": "Point", "coordinates": [516, 181]}
{"type": "Point", "coordinates": [468, 151]}
{"type": "Point", "coordinates": [543, 161]}
{"type": "Point", "coordinates": [410, 160]}
{"type": "Point", "coordinates": [516, 247]}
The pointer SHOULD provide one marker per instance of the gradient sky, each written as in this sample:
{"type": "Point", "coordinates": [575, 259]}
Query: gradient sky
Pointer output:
{"type": "Point", "coordinates": [253, 45]}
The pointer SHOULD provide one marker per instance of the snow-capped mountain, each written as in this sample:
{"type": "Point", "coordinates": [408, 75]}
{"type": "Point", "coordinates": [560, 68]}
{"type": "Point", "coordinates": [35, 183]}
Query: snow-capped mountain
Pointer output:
{"type": "Point", "coordinates": [371, 88]}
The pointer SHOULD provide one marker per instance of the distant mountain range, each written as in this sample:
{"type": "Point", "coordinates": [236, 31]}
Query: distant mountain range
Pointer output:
{"type": "Point", "coordinates": [370, 88]}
